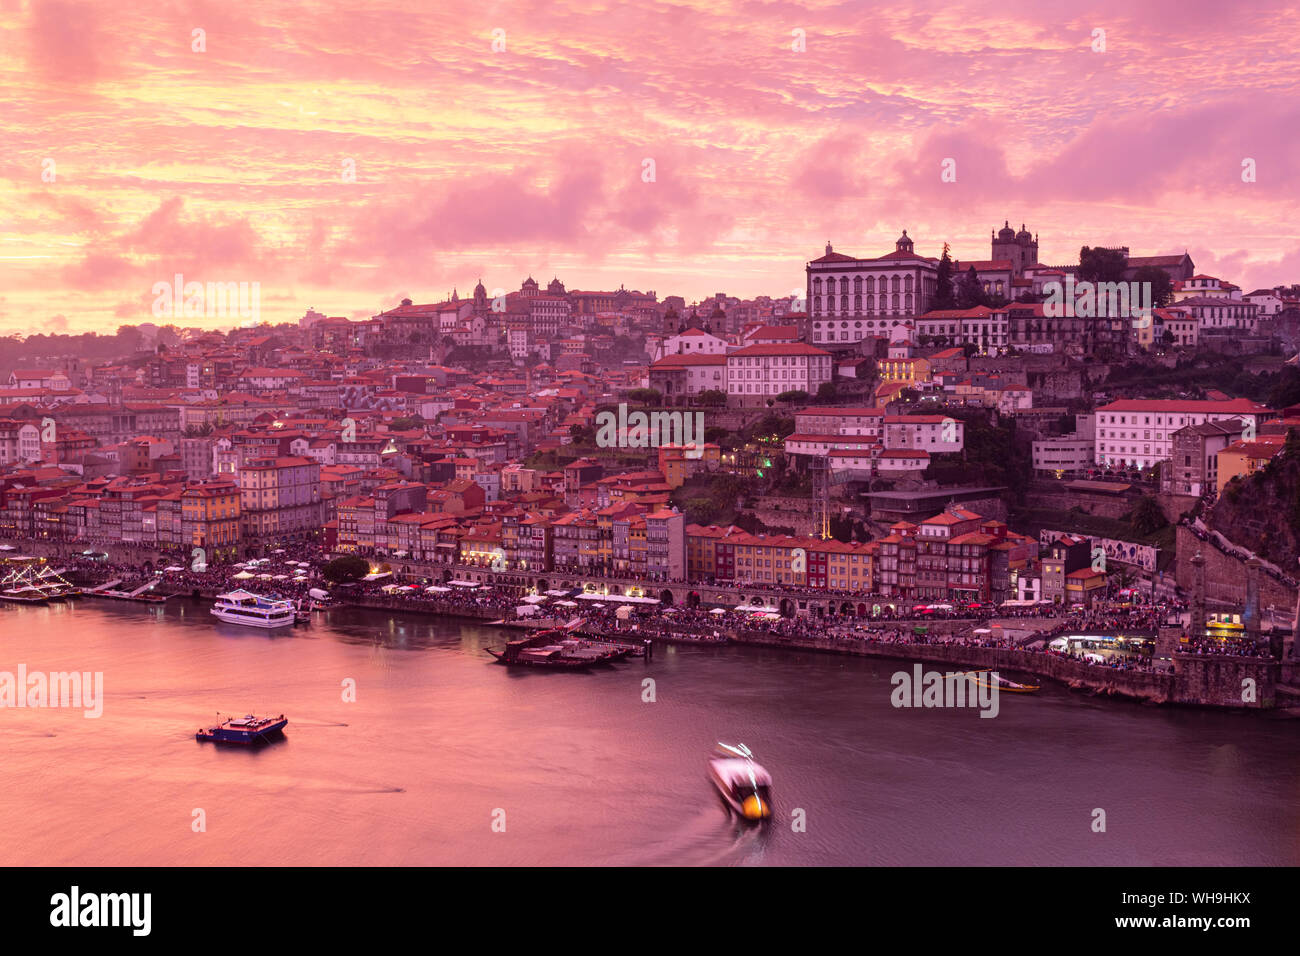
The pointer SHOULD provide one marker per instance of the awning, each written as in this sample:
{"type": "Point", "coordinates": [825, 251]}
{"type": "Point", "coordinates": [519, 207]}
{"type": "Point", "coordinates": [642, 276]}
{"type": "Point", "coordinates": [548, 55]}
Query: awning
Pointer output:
{"type": "Point", "coordinates": [463, 584]}
{"type": "Point", "coordinates": [534, 598]}
{"type": "Point", "coordinates": [616, 597]}
{"type": "Point", "coordinates": [435, 589]}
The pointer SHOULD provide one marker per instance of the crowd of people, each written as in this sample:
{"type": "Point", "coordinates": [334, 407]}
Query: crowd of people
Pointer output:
{"type": "Point", "coordinates": [294, 571]}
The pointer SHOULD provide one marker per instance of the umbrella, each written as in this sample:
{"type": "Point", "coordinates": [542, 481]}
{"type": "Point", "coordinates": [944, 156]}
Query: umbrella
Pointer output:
{"type": "Point", "coordinates": [242, 576]}
{"type": "Point", "coordinates": [718, 610]}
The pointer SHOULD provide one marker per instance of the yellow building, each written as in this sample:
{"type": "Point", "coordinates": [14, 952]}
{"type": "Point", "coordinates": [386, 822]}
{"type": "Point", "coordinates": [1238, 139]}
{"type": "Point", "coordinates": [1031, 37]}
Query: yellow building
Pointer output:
{"type": "Point", "coordinates": [1243, 458]}
{"type": "Point", "coordinates": [210, 517]}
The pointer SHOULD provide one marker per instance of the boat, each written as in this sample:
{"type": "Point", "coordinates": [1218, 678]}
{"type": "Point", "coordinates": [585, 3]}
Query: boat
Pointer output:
{"type": "Point", "coordinates": [992, 679]}
{"type": "Point", "coordinates": [253, 610]}
{"type": "Point", "coordinates": [743, 785]}
{"type": "Point", "coordinates": [557, 648]}
{"type": "Point", "coordinates": [243, 730]}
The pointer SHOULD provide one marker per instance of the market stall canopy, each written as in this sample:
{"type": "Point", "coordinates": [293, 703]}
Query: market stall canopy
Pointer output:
{"type": "Point", "coordinates": [435, 589]}
{"type": "Point", "coordinates": [318, 594]}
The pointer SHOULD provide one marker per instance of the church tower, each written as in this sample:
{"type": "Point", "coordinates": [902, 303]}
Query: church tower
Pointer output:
{"type": "Point", "coordinates": [1020, 248]}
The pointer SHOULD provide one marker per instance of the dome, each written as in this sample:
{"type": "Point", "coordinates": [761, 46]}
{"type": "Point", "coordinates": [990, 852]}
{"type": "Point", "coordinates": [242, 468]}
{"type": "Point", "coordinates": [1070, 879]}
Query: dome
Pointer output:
{"type": "Point", "coordinates": [1006, 232]}
{"type": "Point", "coordinates": [1023, 233]}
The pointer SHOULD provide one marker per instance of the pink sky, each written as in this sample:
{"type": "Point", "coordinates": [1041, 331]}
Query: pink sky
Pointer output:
{"type": "Point", "coordinates": [226, 165]}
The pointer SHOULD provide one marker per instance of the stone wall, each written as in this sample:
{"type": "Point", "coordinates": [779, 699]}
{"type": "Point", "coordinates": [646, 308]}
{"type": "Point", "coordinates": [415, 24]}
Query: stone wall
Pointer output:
{"type": "Point", "coordinates": [1215, 681]}
{"type": "Point", "coordinates": [1225, 576]}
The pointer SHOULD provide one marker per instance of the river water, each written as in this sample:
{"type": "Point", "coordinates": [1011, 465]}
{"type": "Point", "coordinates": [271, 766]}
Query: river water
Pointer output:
{"type": "Point", "coordinates": [440, 743]}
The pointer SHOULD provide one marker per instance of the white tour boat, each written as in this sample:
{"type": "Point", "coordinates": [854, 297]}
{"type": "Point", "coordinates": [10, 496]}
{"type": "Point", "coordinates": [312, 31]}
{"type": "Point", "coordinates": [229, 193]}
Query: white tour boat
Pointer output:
{"type": "Point", "coordinates": [253, 610]}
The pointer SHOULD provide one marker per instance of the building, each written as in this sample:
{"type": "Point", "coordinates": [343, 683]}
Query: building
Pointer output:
{"type": "Point", "coordinates": [1138, 433]}
{"type": "Point", "coordinates": [1194, 461]}
{"type": "Point", "coordinates": [850, 299]}
{"type": "Point", "coordinates": [280, 499]}
{"type": "Point", "coordinates": [758, 373]}
{"type": "Point", "coordinates": [1244, 458]}
{"type": "Point", "coordinates": [1067, 454]}
{"type": "Point", "coordinates": [1063, 557]}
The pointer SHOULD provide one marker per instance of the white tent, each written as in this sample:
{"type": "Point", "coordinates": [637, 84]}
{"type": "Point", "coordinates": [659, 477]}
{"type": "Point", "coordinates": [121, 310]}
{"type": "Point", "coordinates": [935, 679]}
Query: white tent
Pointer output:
{"type": "Point", "coordinates": [242, 576]}
{"type": "Point", "coordinates": [534, 599]}
{"type": "Point", "coordinates": [318, 594]}
{"type": "Point", "coordinates": [718, 610]}
{"type": "Point", "coordinates": [173, 567]}
{"type": "Point", "coordinates": [526, 610]}
{"type": "Point", "coordinates": [462, 584]}
{"type": "Point", "coordinates": [435, 589]}
{"type": "Point", "coordinates": [566, 603]}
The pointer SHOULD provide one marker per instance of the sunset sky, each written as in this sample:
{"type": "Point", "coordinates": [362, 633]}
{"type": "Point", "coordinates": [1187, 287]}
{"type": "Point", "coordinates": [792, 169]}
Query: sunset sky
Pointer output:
{"type": "Point", "coordinates": [227, 164]}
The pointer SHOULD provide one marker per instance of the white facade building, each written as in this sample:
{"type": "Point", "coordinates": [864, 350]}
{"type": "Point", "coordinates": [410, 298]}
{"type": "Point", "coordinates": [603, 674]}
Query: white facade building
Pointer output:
{"type": "Point", "coordinates": [1139, 432]}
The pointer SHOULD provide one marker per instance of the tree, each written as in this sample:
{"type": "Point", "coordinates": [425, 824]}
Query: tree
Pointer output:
{"type": "Point", "coordinates": [970, 292]}
{"type": "Point", "coordinates": [345, 568]}
{"type": "Point", "coordinates": [943, 295]}
{"type": "Point", "coordinates": [826, 392]}
{"type": "Point", "coordinates": [1162, 287]}
{"type": "Point", "coordinates": [1145, 517]}
{"type": "Point", "coordinates": [646, 396]}
{"type": "Point", "coordinates": [712, 396]}
{"type": "Point", "coordinates": [792, 396]}
{"type": "Point", "coordinates": [1101, 265]}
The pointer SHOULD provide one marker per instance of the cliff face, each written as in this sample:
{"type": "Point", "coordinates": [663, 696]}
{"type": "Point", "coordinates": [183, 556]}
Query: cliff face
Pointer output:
{"type": "Point", "coordinates": [1262, 512]}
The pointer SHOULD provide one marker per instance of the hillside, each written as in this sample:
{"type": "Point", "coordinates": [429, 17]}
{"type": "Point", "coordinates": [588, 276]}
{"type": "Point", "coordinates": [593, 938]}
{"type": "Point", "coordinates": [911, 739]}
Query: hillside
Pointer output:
{"type": "Point", "coordinates": [1262, 512]}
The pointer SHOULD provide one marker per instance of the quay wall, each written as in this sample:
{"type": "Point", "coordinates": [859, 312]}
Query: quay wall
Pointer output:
{"type": "Point", "coordinates": [1210, 681]}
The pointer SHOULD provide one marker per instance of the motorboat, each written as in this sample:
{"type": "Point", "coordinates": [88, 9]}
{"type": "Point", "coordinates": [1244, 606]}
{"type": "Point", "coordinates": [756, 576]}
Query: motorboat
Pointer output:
{"type": "Point", "coordinates": [741, 782]}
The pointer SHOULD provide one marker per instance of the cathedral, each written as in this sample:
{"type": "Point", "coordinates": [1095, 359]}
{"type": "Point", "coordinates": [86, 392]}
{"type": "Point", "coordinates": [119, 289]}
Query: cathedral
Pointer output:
{"type": "Point", "coordinates": [1018, 248]}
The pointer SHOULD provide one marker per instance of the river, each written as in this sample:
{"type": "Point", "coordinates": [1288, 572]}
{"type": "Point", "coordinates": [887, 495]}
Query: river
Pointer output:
{"type": "Point", "coordinates": [440, 743]}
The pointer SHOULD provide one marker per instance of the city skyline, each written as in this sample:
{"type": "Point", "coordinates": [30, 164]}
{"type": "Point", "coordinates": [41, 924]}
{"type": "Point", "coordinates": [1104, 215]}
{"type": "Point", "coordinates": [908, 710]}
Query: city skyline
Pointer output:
{"type": "Point", "coordinates": [225, 155]}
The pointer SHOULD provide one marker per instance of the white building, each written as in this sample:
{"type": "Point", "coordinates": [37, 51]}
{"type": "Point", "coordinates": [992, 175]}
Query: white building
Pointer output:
{"type": "Point", "coordinates": [759, 372]}
{"type": "Point", "coordinates": [1068, 453]}
{"type": "Point", "coordinates": [1138, 432]}
{"type": "Point", "coordinates": [689, 374]}
{"type": "Point", "coordinates": [929, 433]}
{"type": "Point", "coordinates": [1220, 312]}
{"type": "Point", "coordinates": [694, 342]}
{"type": "Point", "coordinates": [19, 442]}
{"type": "Point", "coordinates": [850, 299]}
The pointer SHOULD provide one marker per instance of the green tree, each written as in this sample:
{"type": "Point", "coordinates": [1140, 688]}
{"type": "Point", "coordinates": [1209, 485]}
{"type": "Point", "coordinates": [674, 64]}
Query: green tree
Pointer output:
{"type": "Point", "coordinates": [347, 567]}
{"type": "Point", "coordinates": [1145, 517]}
{"type": "Point", "coordinates": [1162, 287]}
{"type": "Point", "coordinates": [646, 396]}
{"type": "Point", "coordinates": [793, 396]}
{"type": "Point", "coordinates": [826, 392]}
{"type": "Point", "coordinates": [970, 292]}
{"type": "Point", "coordinates": [1101, 265]}
{"type": "Point", "coordinates": [943, 294]}
{"type": "Point", "coordinates": [712, 396]}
